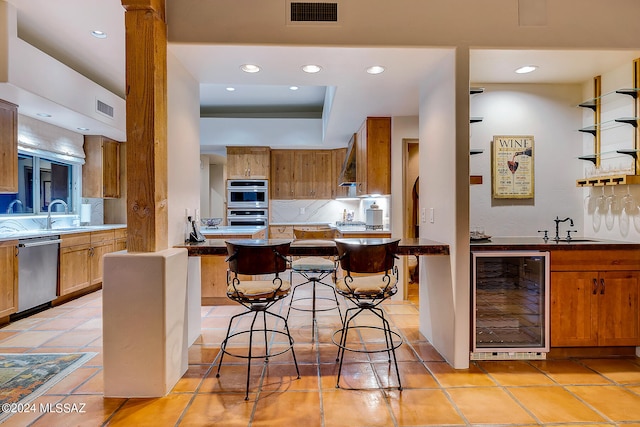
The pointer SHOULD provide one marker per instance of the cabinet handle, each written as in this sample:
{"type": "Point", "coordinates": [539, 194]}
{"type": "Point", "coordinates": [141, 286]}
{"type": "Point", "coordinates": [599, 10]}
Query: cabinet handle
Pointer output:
{"type": "Point", "coordinates": [595, 286]}
{"type": "Point", "coordinates": [601, 286]}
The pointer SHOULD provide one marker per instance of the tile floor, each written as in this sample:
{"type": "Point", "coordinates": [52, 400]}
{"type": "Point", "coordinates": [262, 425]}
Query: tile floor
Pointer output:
{"type": "Point", "coordinates": [581, 392]}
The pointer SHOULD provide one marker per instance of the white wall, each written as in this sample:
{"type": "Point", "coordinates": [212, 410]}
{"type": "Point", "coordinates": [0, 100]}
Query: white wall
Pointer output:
{"type": "Point", "coordinates": [614, 224]}
{"type": "Point", "coordinates": [183, 150]}
{"type": "Point", "coordinates": [204, 187]}
{"type": "Point", "coordinates": [217, 191]}
{"type": "Point", "coordinates": [549, 113]}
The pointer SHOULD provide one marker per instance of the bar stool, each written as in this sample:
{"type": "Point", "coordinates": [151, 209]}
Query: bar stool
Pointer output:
{"type": "Point", "coordinates": [377, 276]}
{"type": "Point", "coordinates": [314, 270]}
{"type": "Point", "coordinates": [257, 257]}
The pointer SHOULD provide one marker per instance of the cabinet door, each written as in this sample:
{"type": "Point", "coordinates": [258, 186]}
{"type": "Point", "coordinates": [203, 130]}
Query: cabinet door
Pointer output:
{"type": "Point", "coordinates": [245, 162]}
{"type": "Point", "coordinates": [378, 146]}
{"type": "Point", "coordinates": [618, 308]}
{"type": "Point", "coordinates": [74, 268]}
{"type": "Point", "coordinates": [101, 171]}
{"type": "Point", "coordinates": [322, 175]}
{"type": "Point", "coordinates": [8, 147]}
{"type": "Point", "coordinates": [303, 174]}
{"type": "Point", "coordinates": [8, 278]}
{"type": "Point", "coordinates": [110, 169]}
{"type": "Point", "coordinates": [281, 183]}
{"type": "Point", "coordinates": [97, 252]}
{"type": "Point", "coordinates": [574, 319]}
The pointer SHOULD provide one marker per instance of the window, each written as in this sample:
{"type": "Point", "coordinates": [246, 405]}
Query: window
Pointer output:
{"type": "Point", "coordinates": [40, 181]}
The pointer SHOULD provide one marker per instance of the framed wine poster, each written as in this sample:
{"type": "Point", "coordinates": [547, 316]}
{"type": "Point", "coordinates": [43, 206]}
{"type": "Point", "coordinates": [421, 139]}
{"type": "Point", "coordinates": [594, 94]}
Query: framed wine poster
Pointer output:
{"type": "Point", "coordinates": [512, 167]}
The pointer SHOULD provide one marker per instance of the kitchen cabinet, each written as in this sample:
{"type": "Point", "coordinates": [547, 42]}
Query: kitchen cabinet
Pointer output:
{"type": "Point", "coordinates": [8, 147]}
{"type": "Point", "coordinates": [102, 242]}
{"type": "Point", "coordinates": [213, 271]}
{"type": "Point", "coordinates": [248, 162]}
{"type": "Point", "coordinates": [75, 263]}
{"type": "Point", "coordinates": [312, 175]}
{"type": "Point", "coordinates": [373, 156]}
{"type": "Point", "coordinates": [595, 298]}
{"type": "Point", "coordinates": [281, 182]}
{"type": "Point", "coordinates": [281, 232]}
{"type": "Point", "coordinates": [8, 278]}
{"type": "Point", "coordinates": [301, 174]}
{"type": "Point", "coordinates": [81, 263]}
{"type": "Point", "coordinates": [101, 170]}
{"type": "Point", "coordinates": [120, 239]}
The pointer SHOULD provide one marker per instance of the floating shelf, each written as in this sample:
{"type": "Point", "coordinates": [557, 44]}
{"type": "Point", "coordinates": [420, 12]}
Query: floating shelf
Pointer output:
{"type": "Point", "coordinates": [475, 90]}
{"type": "Point", "coordinates": [599, 181]}
{"type": "Point", "coordinates": [475, 119]}
{"type": "Point", "coordinates": [476, 151]}
{"type": "Point", "coordinates": [594, 157]}
{"type": "Point", "coordinates": [592, 129]}
{"type": "Point", "coordinates": [591, 103]}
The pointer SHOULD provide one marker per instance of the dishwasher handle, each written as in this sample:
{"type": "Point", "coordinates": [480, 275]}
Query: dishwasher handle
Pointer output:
{"type": "Point", "coordinates": [39, 243]}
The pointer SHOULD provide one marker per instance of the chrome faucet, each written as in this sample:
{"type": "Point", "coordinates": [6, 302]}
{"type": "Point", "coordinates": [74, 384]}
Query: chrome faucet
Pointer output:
{"type": "Point", "coordinates": [558, 221]}
{"type": "Point", "coordinates": [53, 202]}
{"type": "Point", "coordinates": [12, 204]}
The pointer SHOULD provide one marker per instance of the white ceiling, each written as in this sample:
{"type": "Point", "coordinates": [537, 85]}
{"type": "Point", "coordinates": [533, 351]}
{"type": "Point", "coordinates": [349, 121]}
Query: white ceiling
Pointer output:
{"type": "Point", "coordinates": [263, 109]}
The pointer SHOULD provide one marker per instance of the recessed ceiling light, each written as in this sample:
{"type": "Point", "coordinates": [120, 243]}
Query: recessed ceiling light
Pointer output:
{"type": "Point", "coordinates": [99, 34]}
{"type": "Point", "coordinates": [311, 68]}
{"type": "Point", "coordinates": [43, 114]}
{"type": "Point", "coordinates": [231, 89]}
{"type": "Point", "coordinates": [376, 69]}
{"type": "Point", "coordinates": [526, 69]}
{"type": "Point", "coordinates": [250, 68]}
{"type": "Point", "coordinates": [83, 129]}
{"type": "Point", "coordinates": [294, 87]}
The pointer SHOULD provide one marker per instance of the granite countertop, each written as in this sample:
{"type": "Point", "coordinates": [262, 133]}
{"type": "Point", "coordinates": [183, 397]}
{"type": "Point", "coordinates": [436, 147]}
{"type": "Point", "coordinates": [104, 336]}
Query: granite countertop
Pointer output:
{"type": "Point", "coordinates": [27, 234]}
{"type": "Point", "coordinates": [537, 243]}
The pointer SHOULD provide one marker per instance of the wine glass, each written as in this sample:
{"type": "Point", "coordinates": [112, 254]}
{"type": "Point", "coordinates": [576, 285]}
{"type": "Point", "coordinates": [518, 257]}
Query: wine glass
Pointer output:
{"type": "Point", "coordinates": [612, 208]}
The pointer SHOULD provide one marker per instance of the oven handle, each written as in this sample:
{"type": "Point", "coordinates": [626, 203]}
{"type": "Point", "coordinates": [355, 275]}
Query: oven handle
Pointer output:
{"type": "Point", "coordinates": [39, 243]}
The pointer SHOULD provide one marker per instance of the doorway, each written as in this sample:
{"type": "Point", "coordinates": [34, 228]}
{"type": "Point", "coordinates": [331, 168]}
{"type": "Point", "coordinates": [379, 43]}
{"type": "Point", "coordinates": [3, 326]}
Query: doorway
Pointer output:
{"type": "Point", "coordinates": [411, 216]}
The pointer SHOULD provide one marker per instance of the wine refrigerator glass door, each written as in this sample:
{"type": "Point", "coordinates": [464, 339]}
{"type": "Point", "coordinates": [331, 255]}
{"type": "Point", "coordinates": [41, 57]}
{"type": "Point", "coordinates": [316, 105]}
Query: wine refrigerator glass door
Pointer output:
{"type": "Point", "coordinates": [510, 301]}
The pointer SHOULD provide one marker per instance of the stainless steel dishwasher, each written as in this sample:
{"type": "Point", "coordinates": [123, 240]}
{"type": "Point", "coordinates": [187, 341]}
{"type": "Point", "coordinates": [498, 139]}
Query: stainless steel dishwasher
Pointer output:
{"type": "Point", "coordinates": [37, 271]}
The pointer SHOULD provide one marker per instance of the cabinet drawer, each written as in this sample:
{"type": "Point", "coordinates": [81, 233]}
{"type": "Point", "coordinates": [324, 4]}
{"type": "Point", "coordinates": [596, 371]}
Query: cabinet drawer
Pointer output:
{"type": "Point", "coordinates": [75, 239]}
{"type": "Point", "coordinates": [281, 231]}
{"type": "Point", "coordinates": [120, 233]}
{"type": "Point", "coordinates": [595, 260]}
{"type": "Point", "coordinates": [102, 236]}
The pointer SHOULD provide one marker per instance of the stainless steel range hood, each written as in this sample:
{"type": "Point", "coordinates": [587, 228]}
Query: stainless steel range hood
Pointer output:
{"type": "Point", "coordinates": [348, 172]}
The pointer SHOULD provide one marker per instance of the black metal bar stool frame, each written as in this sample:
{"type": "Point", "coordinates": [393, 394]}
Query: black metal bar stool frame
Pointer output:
{"type": "Point", "coordinates": [362, 259]}
{"type": "Point", "coordinates": [256, 304]}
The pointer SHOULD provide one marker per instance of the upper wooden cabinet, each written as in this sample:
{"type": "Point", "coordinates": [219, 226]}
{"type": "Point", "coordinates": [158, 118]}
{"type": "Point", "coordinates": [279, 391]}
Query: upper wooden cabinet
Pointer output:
{"type": "Point", "coordinates": [8, 147]}
{"type": "Point", "coordinates": [281, 181]}
{"type": "Point", "coordinates": [248, 162]}
{"type": "Point", "coordinates": [373, 156]}
{"type": "Point", "coordinates": [101, 170]}
{"type": "Point", "coordinates": [302, 174]}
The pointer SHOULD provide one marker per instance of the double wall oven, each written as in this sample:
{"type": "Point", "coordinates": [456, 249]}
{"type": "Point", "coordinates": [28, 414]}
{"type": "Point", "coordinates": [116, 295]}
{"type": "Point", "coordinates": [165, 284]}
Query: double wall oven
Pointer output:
{"type": "Point", "coordinates": [247, 202]}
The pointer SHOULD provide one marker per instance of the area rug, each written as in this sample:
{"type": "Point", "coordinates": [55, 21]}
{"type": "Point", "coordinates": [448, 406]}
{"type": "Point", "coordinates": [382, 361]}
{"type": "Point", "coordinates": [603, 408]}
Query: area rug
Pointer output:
{"type": "Point", "coordinates": [23, 377]}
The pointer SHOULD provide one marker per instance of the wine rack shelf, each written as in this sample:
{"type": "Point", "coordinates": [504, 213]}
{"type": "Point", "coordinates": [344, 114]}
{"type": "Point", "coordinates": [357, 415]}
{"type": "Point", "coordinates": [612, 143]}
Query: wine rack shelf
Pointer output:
{"type": "Point", "coordinates": [475, 179]}
{"type": "Point", "coordinates": [599, 181]}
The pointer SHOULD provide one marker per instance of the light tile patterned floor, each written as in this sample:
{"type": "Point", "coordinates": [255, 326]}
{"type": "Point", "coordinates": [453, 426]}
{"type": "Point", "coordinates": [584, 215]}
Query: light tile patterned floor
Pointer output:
{"type": "Point", "coordinates": [581, 392]}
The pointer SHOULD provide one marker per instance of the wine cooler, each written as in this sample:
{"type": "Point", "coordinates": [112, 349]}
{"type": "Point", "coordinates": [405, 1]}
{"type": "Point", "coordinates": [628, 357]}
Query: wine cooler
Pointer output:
{"type": "Point", "coordinates": [510, 305]}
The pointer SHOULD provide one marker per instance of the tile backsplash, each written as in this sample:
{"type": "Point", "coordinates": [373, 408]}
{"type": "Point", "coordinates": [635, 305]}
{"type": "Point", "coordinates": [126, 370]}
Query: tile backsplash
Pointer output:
{"type": "Point", "coordinates": [321, 211]}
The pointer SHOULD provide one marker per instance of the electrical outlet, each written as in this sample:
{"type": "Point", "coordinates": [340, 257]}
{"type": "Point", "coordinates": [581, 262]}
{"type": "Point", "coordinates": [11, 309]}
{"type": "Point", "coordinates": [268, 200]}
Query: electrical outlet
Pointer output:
{"type": "Point", "coordinates": [431, 213]}
{"type": "Point", "coordinates": [302, 210]}
{"type": "Point", "coordinates": [424, 215]}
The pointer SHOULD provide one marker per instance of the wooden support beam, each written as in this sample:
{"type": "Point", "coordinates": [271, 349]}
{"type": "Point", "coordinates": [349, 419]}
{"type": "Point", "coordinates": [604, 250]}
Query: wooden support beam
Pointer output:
{"type": "Point", "coordinates": [146, 73]}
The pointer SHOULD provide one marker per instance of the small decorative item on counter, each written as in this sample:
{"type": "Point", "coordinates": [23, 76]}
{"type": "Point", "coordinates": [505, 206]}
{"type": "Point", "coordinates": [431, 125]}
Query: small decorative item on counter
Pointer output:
{"type": "Point", "coordinates": [195, 235]}
{"type": "Point", "coordinates": [210, 222]}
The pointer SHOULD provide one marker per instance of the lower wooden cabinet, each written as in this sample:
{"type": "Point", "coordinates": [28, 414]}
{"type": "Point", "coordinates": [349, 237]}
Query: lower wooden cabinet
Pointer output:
{"type": "Point", "coordinates": [81, 259]}
{"type": "Point", "coordinates": [596, 307]}
{"type": "Point", "coordinates": [8, 278]}
{"type": "Point", "coordinates": [75, 263]}
{"type": "Point", "coordinates": [120, 242]}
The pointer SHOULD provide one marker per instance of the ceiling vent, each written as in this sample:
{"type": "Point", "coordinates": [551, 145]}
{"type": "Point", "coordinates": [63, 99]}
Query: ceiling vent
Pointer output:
{"type": "Point", "coordinates": [312, 13]}
{"type": "Point", "coordinates": [104, 108]}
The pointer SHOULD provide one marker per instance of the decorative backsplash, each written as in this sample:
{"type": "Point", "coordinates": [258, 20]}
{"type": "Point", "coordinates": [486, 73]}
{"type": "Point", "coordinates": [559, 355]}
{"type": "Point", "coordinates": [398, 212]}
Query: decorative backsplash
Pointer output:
{"type": "Point", "coordinates": [321, 211]}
